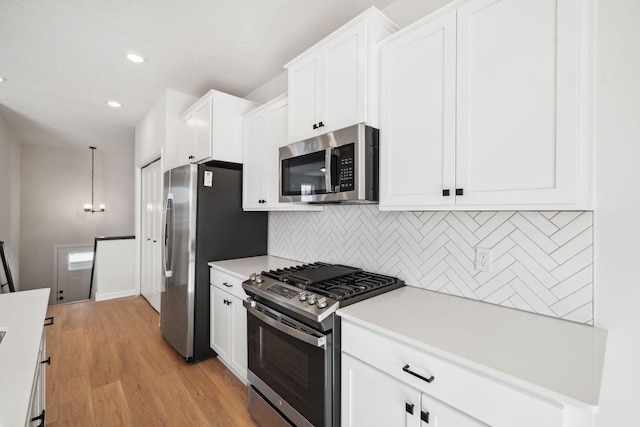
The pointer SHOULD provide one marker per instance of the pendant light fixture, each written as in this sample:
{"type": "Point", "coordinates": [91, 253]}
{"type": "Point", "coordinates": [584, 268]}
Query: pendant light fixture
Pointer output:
{"type": "Point", "coordinates": [90, 207]}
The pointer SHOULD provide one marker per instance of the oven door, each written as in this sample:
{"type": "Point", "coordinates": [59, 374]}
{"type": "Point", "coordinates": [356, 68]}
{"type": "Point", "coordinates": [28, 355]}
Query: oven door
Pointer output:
{"type": "Point", "coordinates": [290, 364]}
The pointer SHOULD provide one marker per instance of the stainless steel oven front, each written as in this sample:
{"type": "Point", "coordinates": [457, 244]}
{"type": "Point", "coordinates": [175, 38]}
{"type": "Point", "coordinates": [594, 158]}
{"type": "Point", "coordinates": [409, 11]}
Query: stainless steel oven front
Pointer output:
{"type": "Point", "coordinates": [291, 370]}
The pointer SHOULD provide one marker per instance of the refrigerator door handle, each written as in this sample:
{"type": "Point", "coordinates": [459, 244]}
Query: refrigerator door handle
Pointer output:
{"type": "Point", "coordinates": [168, 236]}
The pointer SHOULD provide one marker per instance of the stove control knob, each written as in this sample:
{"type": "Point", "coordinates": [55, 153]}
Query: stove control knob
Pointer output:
{"type": "Point", "coordinates": [303, 296]}
{"type": "Point", "coordinates": [259, 278]}
{"type": "Point", "coordinates": [312, 299]}
{"type": "Point", "coordinates": [252, 277]}
{"type": "Point", "coordinates": [322, 302]}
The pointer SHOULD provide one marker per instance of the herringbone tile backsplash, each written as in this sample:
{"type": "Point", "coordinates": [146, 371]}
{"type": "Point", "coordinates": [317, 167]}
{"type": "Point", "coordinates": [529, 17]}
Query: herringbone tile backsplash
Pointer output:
{"type": "Point", "coordinates": [542, 261]}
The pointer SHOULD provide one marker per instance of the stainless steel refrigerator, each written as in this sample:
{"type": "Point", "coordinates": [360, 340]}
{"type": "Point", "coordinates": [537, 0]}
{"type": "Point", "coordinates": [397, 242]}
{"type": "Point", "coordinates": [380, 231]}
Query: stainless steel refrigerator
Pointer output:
{"type": "Point", "coordinates": [203, 221]}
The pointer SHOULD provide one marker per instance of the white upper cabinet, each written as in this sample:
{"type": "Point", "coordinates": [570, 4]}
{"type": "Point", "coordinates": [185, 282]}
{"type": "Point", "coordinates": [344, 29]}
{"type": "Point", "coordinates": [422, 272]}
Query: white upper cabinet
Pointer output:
{"type": "Point", "coordinates": [485, 104]}
{"type": "Point", "coordinates": [212, 128]}
{"type": "Point", "coordinates": [418, 140]}
{"type": "Point", "coordinates": [265, 130]}
{"type": "Point", "coordinates": [334, 84]}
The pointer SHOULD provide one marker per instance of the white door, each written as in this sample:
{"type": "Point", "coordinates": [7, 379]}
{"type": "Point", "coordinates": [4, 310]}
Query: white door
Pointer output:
{"type": "Point", "coordinates": [151, 231]}
{"type": "Point", "coordinates": [74, 265]}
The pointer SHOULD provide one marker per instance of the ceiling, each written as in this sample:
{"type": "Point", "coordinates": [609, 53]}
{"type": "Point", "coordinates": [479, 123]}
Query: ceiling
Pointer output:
{"type": "Point", "coordinates": [63, 60]}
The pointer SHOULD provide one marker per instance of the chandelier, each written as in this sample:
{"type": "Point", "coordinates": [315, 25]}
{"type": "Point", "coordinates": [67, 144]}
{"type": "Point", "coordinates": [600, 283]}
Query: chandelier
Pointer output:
{"type": "Point", "coordinates": [90, 207]}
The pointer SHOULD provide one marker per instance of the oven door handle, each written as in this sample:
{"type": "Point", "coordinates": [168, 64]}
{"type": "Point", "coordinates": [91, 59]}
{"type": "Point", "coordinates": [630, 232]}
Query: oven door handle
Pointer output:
{"type": "Point", "coordinates": [320, 342]}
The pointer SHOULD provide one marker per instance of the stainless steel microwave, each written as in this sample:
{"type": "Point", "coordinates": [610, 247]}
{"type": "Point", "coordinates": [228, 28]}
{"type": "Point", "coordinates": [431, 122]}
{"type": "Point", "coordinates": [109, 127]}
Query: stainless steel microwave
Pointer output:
{"type": "Point", "coordinates": [339, 166]}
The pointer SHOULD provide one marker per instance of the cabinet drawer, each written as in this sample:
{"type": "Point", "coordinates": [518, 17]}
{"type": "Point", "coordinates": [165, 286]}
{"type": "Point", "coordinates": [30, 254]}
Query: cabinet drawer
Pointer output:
{"type": "Point", "coordinates": [474, 393]}
{"type": "Point", "coordinates": [227, 283]}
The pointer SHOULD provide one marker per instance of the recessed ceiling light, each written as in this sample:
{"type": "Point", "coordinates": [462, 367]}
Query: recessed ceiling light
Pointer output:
{"type": "Point", "coordinates": [114, 104]}
{"type": "Point", "coordinates": [2, 79]}
{"type": "Point", "coordinates": [134, 57]}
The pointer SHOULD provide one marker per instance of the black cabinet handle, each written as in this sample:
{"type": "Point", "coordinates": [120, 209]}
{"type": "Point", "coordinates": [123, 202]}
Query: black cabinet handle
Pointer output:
{"type": "Point", "coordinates": [320, 124]}
{"type": "Point", "coordinates": [315, 126]}
{"type": "Point", "coordinates": [191, 157]}
{"type": "Point", "coordinates": [459, 191]}
{"type": "Point", "coordinates": [47, 361]}
{"type": "Point", "coordinates": [39, 418]}
{"type": "Point", "coordinates": [60, 298]}
{"type": "Point", "coordinates": [445, 193]}
{"type": "Point", "coordinates": [409, 407]}
{"type": "Point", "coordinates": [409, 371]}
{"type": "Point", "coordinates": [48, 321]}
{"type": "Point", "coordinates": [424, 416]}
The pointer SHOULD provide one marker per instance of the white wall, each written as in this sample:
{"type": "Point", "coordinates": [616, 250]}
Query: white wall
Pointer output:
{"type": "Point", "coordinates": [56, 182]}
{"type": "Point", "coordinates": [617, 213]}
{"type": "Point", "coordinates": [10, 197]}
{"type": "Point", "coordinates": [115, 269]}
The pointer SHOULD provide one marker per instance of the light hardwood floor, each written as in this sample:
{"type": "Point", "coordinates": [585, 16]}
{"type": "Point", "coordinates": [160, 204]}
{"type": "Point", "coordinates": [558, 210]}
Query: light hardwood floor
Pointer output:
{"type": "Point", "coordinates": [111, 367]}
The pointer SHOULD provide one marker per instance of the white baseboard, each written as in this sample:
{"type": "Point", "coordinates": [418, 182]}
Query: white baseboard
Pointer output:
{"type": "Point", "coordinates": [112, 295]}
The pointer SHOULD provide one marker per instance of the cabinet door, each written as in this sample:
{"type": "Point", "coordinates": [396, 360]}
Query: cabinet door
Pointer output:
{"type": "Point", "coordinates": [219, 319]}
{"type": "Point", "coordinates": [188, 141]}
{"type": "Point", "coordinates": [254, 182]}
{"type": "Point", "coordinates": [517, 101]}
{"type": "Point", "coordinates": [304, 97]}
{"type": "Point", "coordinates": [436, 413]}
{"type": "Point", "coordinates": [276, 137]}
{"type": "Point", "coordinates": [238, 359]}
{"type": "Point", "coordinates": [344, 79]}
{"type": "Point", "coordinates": [417, 136]}
{"type": "Point", "coordinates": [372, 398]}
{"type": "Point", "coordinates": [203, 141]}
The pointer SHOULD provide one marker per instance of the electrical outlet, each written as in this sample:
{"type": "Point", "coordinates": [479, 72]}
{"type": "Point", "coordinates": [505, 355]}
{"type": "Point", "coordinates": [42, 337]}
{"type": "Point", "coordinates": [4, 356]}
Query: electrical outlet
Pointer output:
{"type": "Point", "coordinates": [484, 259]}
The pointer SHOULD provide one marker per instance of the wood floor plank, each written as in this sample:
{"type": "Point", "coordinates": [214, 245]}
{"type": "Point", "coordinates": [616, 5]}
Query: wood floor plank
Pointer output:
{"type": "Point", "coordinates": [75, 407]}
{"type": "Point", "coordinates": [110, 406]}
{"type": "Point", "coordinates": [111, 367]}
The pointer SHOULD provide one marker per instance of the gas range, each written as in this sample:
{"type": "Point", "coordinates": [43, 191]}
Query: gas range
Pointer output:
{"type": "Point", "coordinates": [293, 340]}
{"type": "Point", "coordinates": [315, 291]}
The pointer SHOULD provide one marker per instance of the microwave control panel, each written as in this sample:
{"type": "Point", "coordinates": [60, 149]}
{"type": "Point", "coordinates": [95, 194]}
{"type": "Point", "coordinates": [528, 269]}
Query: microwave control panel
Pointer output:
{"type": "Point", "coordinates": [347, 167]}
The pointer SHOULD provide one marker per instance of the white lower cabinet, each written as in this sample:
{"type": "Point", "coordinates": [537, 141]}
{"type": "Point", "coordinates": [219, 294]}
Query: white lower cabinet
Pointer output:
{"type": "Point", "coordinates": [228, 322]}
{"type": "Point", "coordinates": [387, 382]}
{"type": "Point", "coordinates": [36, 416]}
{"type": "Point", "coordinates": [373, 398]}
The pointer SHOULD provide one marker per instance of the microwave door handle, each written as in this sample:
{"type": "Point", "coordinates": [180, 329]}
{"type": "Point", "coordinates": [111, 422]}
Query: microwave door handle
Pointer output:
{"type": "Point", "coordinates": [328, 159]}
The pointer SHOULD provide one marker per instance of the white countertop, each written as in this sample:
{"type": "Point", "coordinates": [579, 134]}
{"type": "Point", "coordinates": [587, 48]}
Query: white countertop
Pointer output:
{"type": "Point", "coordinates": [243, 267]}
{"type": "Point", "coordinates": [543, 355]}
{"type": "Point", "coordinates": [22, 315]}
